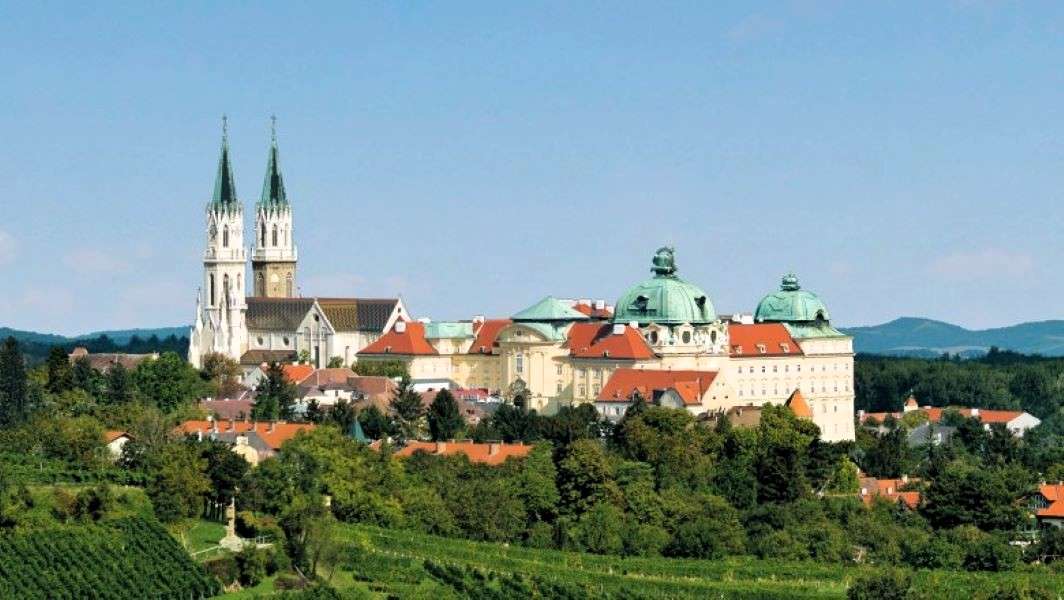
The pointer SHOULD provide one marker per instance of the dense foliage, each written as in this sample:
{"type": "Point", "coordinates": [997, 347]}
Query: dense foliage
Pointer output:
{"type": "Point", "coordinates": [1000, 379]}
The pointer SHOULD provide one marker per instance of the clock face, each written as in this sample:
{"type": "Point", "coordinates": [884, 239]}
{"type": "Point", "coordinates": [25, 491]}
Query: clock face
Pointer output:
{"type": "Point", "coordinates": [213, 232]}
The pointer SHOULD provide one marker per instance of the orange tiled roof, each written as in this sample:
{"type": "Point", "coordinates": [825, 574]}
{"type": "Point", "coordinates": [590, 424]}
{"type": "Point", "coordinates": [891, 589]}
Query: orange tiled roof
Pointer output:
{"type": "Point", "coordinates": [597, 340]}
{"type": "Point", "coordinates": [110, 436]}
{"type": "Point", "coordinates": [934, 414]}
{"type": "Point", "coordinates": [749, 339]}
{"type": "Point", "coordinates": [1054, 493]}
{"type": "Point", "coordinates": [281, 433]}
{"type": "Point", "coordinates": [488, 454]}
{"type": "Point", "coordinates": [410, 341]}
{"type": "Point", "coordinates": [799, 406]}
{"type": "Point", "coordinates": [689, 385]}
{"type": "Point", "coordinates": [486, 334]}
{"type": "Point", "coordinates": [889, 489]}
{"type": "Point", "coordinates": [591, 311]}
{"type": "Point", "coordinates": [297, 373]}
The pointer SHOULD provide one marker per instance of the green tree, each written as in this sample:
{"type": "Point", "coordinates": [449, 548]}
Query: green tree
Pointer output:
{"type": "Point", "coordinates": [408, 410]}
{"type": "Point", "coordinates": [343, 415]}
{"type": "Point", "coordinates": [375, 424]}
{"type": "Point", "coordinates": [13, 392]}
{"type": "Point", "coordinates": [887, 584]}
{"type": "Point", "coordinates": [394, 369]}
{"type": "Point", "coordinates": [784, 440]}
{"type": "Point", "coordinates": [274, 396]}
{"type": "Point", "coordinates": [585, 477]}
{"type": "Point", "coordinates": [119, 386]}
{"type": "Point", "coordinates": [221, 374]}
{"type": "Point", "coordinates": [445, 420]}
{"type": "Point", "coordinates": [168, 381]}
{"type": "Point", "coordinates": [713, 532]}
{"type": "Point", "coordinates": [179, 482]}
{"type": "Point", "coordinates": [84, 377]}
{"type": "Point", "coordinates": [985, 497]}
{"type": "Point", "coordinates": [224, 469]}
{"type": "Point", "coordinates": [336, 362]}
{"type": "Point", "coordinates": [60, 374]}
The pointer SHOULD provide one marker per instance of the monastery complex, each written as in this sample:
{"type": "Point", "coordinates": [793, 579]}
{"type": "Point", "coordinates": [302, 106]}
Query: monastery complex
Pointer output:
{"type": "Point", "coordinates": [662, 340]}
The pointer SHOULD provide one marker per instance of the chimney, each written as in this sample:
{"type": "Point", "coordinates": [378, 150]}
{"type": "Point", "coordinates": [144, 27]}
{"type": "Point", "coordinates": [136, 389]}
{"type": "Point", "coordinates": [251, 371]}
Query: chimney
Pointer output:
{"type": "Point", "coordinates": [905, 479]}
{"type": "Point", "coordinates": [975, 412]}
{"type": "Point", "coordinates": [232, 425]}
{"type": "Point", "coordinates": [493, 448]}
{"type": "Point", "coordinates": [600, 305]}
{"type": "Point", "coordinates": [400, 326]}
{"type": "Point", "coordinates": [271, 427]}
{"type": "Point", "coordinates": [618, 328]}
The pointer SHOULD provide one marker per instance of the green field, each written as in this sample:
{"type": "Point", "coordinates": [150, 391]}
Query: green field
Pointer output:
{"type": "Point", "coordinates": [383, 563]}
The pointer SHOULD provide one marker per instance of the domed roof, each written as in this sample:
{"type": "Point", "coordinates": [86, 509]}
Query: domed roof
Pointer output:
{"type": "Point", "coordinates": [664, 298]}
{"type": "Point", "coordinates": [791, 303]}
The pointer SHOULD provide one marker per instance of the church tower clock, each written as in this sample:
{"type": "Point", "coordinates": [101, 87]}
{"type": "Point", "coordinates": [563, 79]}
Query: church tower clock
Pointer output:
{"type": "Point", "coordinates": [273, 259]}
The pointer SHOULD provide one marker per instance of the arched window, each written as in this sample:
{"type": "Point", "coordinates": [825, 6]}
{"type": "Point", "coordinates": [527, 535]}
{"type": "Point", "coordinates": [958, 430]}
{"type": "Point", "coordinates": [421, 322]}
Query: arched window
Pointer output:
{"type": "Point", "coordinates": [225, 236]}
{"type": "Point", "coordinates": [288, 285]}
{"type": "Point", "coordinates": [225, 288]}
{"type": "Point", "coordinates": [239, 279]}
{"type": "Point", "coordinates": [213, 297]}
{"type": "Point", "coordinates": [260, 285]}
{"type": "Point", "coordinates": [274, 236]}
{"type": "Point", "coordinates": [262, 235]}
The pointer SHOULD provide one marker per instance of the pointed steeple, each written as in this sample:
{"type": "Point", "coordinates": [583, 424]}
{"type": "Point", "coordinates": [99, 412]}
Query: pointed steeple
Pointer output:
{"type": "Point", "coordinates": [224, 188]}
{"type": "Point", "coordinates": [273, 193]}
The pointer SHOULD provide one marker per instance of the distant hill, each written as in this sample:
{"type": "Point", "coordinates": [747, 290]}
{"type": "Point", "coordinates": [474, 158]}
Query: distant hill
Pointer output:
{"type": "Point", "coordinates": [36, 345]}
{"type": "Point", "coordinates": [122, 336]}
{"type": "Point", "coordinates": [910, 336]}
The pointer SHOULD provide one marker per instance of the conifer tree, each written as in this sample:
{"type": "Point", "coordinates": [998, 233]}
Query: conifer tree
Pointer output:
{"type": "Point", "coordinates": [119, 387]}
{"type": "Point", "coordinates": [60, 375]}
{"type": "Point", "coordinates": [445, 420]}
{"type": "Point", "coordinates": [406, 404]}
{"type": "Point", "coordinates": [12, 383]}
{"type": "Point", "coordinates": [275, 396]}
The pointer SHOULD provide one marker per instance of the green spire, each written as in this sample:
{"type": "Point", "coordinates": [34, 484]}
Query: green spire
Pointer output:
{"type": "Point", "coordinates": [273, 193]}
{"type": "Point", "coordinates": [224, 188]}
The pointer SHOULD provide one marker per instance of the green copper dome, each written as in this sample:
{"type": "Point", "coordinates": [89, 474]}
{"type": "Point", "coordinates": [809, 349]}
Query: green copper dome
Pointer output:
{"type": "Point", "coordinates": [664, 298]}
{"type": "Point", "coordinates": [791, 304]}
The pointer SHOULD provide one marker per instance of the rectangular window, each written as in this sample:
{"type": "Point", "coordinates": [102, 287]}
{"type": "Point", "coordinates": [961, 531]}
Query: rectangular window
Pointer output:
{"type": "Point", "coordinates": [583, 391]}
{"type": "Point", "coordinates": [559, 368]}
{"type": "Point", "coordinates": [519, 363]}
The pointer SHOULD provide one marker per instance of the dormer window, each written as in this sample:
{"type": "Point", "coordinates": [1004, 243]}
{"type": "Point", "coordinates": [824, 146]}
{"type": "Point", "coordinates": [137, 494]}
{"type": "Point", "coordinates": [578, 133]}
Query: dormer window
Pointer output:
{"type": "Point", "coordinates": [761, 348]}
{"type": "Point", "coordinates": [738, 349]}
{"type": "Point", "coordinates": [785, 347]}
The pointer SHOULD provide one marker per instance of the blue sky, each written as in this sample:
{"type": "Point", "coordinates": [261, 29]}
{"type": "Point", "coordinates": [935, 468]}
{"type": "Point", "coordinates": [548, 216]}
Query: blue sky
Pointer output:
{"type": "Point", "coordinates": [474, 157]}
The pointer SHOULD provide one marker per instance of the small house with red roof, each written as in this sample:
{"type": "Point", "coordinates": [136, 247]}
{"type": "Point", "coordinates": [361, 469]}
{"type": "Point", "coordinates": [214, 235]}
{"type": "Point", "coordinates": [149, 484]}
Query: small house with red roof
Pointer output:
{"type": "Point", "coordinates": [1018, 422]}
{"type": "Point", "coordinates": [1048, 504]}
{"type": "Point", "coordinates": [252, 440]}
{"type": "Point", "coordinates": [491, 453]}
{"type": "Point", "coordinates": [890, 490]}
{"type": "Point", "coordinates": [673, 389]}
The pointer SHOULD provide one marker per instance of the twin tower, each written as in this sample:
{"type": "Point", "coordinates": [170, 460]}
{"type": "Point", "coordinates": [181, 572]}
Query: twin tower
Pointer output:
{"type": "Point", "coordinates": [273, 255]}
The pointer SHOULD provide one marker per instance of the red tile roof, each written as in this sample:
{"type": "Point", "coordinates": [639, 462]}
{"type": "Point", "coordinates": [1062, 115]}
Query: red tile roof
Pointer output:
{"type": "Point", "coordinates": [297, 373]}
{"type": "Point", "coordinates": [591, 311]}
{"type": "Point", "coordinates": [488, 454]}
{"type": "Point", "coordinates": [889, 489]}
{"type": "Point", "coordinates": [749, 340]}
{"type": "Point", "coordinates": [486, 334]}
{"type": "Point", "coordinates": [410, 341]}
{"type": "Point", "coordinates": [799, 406]}
{"type": "Point", "coordinates": [1054, 493]}
{"type": "Point", "coordinates": [691, 386]}
{"type": "Point", "coordinates": [934, 414]}
{"type": "Point", "coordinates": [281, 432]}
{"type": "Point", "coordinates": [597, 340]}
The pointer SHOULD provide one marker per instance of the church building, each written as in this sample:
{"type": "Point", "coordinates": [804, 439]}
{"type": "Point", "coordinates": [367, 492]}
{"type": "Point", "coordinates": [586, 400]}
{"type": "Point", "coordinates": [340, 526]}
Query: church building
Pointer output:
{"type": "Point", "coordinates": [266, 319]}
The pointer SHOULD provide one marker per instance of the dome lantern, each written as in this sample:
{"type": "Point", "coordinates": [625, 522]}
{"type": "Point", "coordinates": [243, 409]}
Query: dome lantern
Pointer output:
{"type": "Point", "coordinates": [664, 298]}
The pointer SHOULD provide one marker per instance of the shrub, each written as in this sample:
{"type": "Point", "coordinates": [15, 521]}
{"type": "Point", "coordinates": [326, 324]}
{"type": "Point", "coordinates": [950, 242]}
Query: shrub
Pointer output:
{"type": "Point", "coordinates": [991, 554]}
{"type": "Point", "coordinates": [884, 585]}
{"type": "Point", "coordinates": [224, 568]}
{"type": "Point", "coordinates": [251, 563]}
